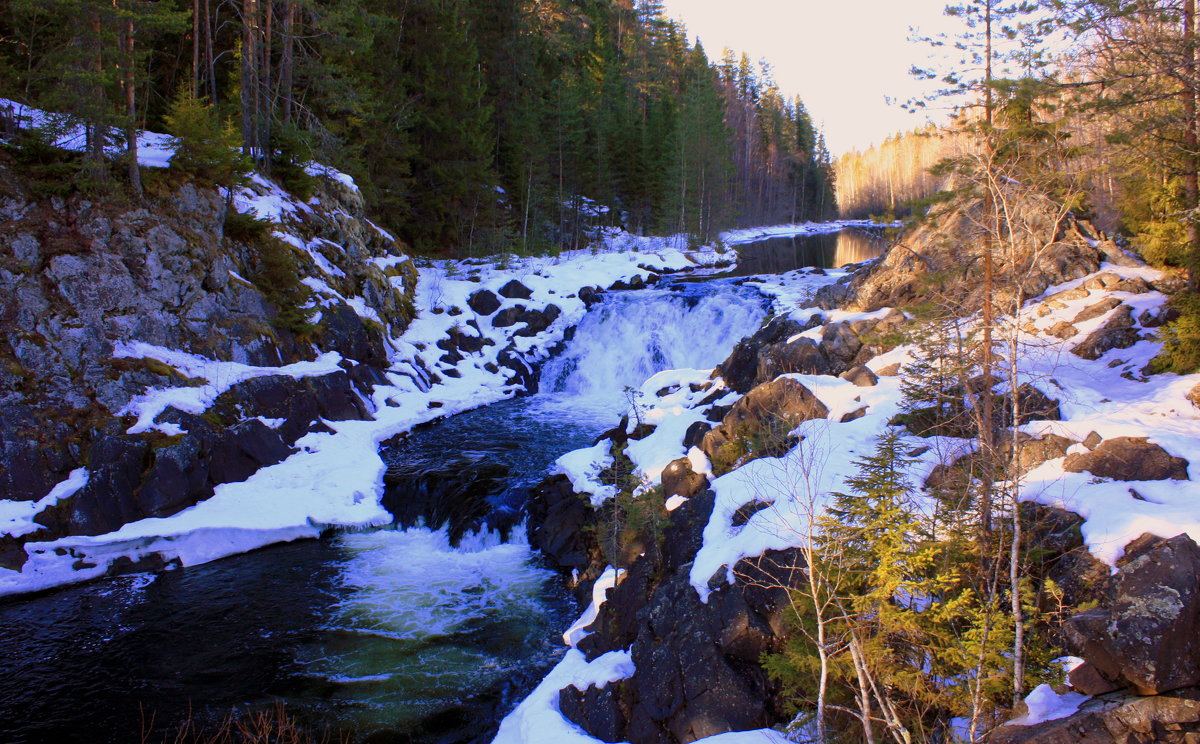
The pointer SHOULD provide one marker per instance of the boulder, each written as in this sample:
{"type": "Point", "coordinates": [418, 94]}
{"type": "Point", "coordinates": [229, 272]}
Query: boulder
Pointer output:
{"type": "Point", "coordinates": [1128, 459]}
{"type": "Point", "coordinates": [508, 316]}
{"type": "Point", "coordinates": [514, 290]}
{"type": "Point", "coordinates": [1096, 310]}
{"type": "Point", "coordinates": [1158, 317]}
{"type": "Point", "coordinates": [1116, 718]}
{"type": "Point", "coordinates": [537, 321]}
{"type": "Point", "coordinates": [765, 415]}
{"type": "Point", "coordinates": [1062, 329]}
{"type": "Point", "coordinates": [801, 356]}
{"type": "Point", "coordinates": [597, 710]}
{"type": "Point", "coordinates": [860, 376]}
{"type": "Point", "coordinates": [740, 369]}
{"type": "Point", "coordinates": [1118, 332]}
{"type": "Point", "coordinates": [695, 434]}
{"type": "Point", "coordinates": [678, 479]}
{"type": "Point", "coordinates": [1146, 633]}
{"type": "Point", "coordinates": [483, 302]}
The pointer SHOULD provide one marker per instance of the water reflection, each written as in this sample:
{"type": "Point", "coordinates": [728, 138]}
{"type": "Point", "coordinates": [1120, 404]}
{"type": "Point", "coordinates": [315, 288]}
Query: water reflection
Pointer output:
{"type": "Point", "coordinates": [828, 250]}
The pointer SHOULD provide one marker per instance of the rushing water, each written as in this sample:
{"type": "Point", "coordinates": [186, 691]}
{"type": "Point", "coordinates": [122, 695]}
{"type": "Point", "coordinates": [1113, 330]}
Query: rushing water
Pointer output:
{"type": "Point", "coordinates": [398, 635]}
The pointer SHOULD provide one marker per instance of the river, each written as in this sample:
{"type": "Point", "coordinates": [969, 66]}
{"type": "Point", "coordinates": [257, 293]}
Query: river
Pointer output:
{"type": "Point", "coordinates": [403, 634]}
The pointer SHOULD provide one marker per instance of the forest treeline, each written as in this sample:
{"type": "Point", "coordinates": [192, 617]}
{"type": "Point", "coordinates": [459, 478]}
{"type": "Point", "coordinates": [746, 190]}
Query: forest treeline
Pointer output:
{"type": "Point", "coordinates": [886, 179]}
{"type": "Point", "coordinates": [472, 125]}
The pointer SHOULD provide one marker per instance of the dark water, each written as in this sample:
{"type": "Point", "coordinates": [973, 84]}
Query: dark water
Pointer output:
{"type": "Point", "coordinates": [353, 634]}
{"type": "Point", "coordinates": [829, 251]}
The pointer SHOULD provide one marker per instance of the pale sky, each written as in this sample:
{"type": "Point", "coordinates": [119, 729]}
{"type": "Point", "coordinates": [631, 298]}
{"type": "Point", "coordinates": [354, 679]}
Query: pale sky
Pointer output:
{"type": "Point", "coordinates": [842, 57]}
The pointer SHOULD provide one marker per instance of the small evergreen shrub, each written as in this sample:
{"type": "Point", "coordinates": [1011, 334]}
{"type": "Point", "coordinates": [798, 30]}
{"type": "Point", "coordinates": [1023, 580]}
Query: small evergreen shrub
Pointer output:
{"type": "Point", "coordinates": [292, 154]}
{"type": "Point", "coordinates": [1180, 338]}
{"type": "Point", "coordinates": [206, 147]}
{"type": "Point", "coordinates": [246, 228]}
{"type": "Point", "coordinates": [277, 276]}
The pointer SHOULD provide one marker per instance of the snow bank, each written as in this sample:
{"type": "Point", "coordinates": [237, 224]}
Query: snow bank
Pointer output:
{"type": "Point", "coordinates": [1045, 704]}
{"type": "Point", "coordinates": [755, 234]}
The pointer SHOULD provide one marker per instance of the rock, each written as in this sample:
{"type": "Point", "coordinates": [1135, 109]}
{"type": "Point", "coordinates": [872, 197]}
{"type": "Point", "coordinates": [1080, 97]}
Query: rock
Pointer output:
{"type": "Point", "coordinates": [802, 356]}
{"type": "Point", "coordinates": [509, 316]}
{"type": "Point", "coordinates": [108, 499]}
{"type": "Point", "coordinates": [891, 370]}
{"type": "Point", "coordinates": [537, 321]}
{"type": "Point", "coordinates": [1128, 459]}
{"type": "Point", "coordinates": [766, 414]}
{"type": "Point", "coordinates": [1088, 680]}
{"type": "Point", "coordinates": [1033, 405]}
{"type": "Point", "coordinates": [854, 415]}
{"type": "Point", "coordinates": [557, 517]}
{"type": "Point", "coordinates": [1033, 452]}
{"type": "Point", "coordinates": [1117, 333]}
{"type": "Point", "coordinates": [596, 710]}
{"type": "Point", "coordinates": [177, 479]}
{"type": "Point", "coordinates": [514, 290]}
{"type": "Point", "coordinates": [483, 302]}
{"type": "Point", "coordinates": [695, 434]}
{"type": "Point", "coordinates": [860, 376]}
{"type": "Point", "coordinates": [1095, 311]}
{"type": "Point", "coordinates": [1133, 285]}
{"type": "Point", "coordinates": [1147, 631]}
{"type": "Point", "coordinates": [1105, 280]}
{"type": "Point", "coordinates": [1062, 329]}
{"type": "Point", "coordinates": [741, 368]}
{"type": "Point", "coordinates": [697, 672]}
{"type": "Point", "coordinates": [678, 479]}
{"type": "Point", "coordinates": [1158, 317]}
{"type": "Point", "coordinates": [1092, 440]}
{"type": "Point", "coordinates": [1117, 718]}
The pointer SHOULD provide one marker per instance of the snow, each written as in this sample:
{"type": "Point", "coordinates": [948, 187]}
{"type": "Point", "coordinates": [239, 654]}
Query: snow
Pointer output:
{"type": "Point", "coordinates": [755, 234]}
{"type": "Point", "coordinates": [1047, 705]}
{"type": "Point", "coordinates": [798, 485]}
{"type": "Point", "coordinates": [218, 376]}
{"type": "Point", "coordinates": [583, 466]}
{"type": "Point", "coordinates": [538, 718]}
{"type": "Point", "coordinates": [16, 517]}
{"type": "Point", "coordinates": [608, 580]}
{"type": "Point", "coordinates": [154, 150]}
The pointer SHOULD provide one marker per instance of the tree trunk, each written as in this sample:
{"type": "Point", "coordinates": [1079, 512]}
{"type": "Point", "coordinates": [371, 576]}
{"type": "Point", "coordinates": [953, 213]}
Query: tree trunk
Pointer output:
{"type": "Point", "coordinates": [131, 122]}
{"type": "Point", "coordinates": [1191, 179]}
{"type": "Point", "coordinates": [286, 60]}
{"type": "Point", "coordinates": [249, 78]}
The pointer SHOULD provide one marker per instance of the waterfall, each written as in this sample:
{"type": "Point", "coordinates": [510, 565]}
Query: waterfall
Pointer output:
{"type": "Point", "coordinates": [631, 336]}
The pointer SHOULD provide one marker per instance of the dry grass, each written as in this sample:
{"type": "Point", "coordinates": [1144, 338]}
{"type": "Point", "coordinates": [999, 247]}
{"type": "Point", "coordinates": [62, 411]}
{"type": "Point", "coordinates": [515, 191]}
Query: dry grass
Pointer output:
{"type": "Point", "coordinates": [265, 726]}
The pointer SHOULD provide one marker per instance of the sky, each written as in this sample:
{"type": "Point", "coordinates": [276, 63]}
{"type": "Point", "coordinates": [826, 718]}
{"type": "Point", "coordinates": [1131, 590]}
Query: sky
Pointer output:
{"type": "Point", "coordinates": [844, 58]}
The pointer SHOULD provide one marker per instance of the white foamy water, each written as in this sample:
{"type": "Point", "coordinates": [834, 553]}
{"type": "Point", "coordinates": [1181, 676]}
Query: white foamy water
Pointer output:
{"type": "Point", "coordinates": [632, 336]}
{"type": "Point", "coordinates": [420, 621]}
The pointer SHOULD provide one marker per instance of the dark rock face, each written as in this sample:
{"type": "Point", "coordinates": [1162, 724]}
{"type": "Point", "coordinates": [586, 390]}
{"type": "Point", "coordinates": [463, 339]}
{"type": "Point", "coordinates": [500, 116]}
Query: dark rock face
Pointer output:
{"type": "Point", "coordinates": [1116, 718]}
{"type": "Point", "coordinates": [1128, 459]}
{"type": "Point", "coordinates": [557, 517]}
{"type": "Point", "coordinates": [596, 710]}
{"type": "Point", "coordinates": [483, 302]}
{"type": "Point", "coordinates": [740, 369]}
{"type": "Point", "coordinates": [507, 317]}
{"type": "Point", "coordinates": [1119, 332]}
{"type": "Point", "coordinates": [537, 321]}
{"type": "Point", "coordinates": [28, 470]}
{"type": "Point", "coordinates": [1147, 632]}
{"type": "Point", "coordinates": [514, 290]}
